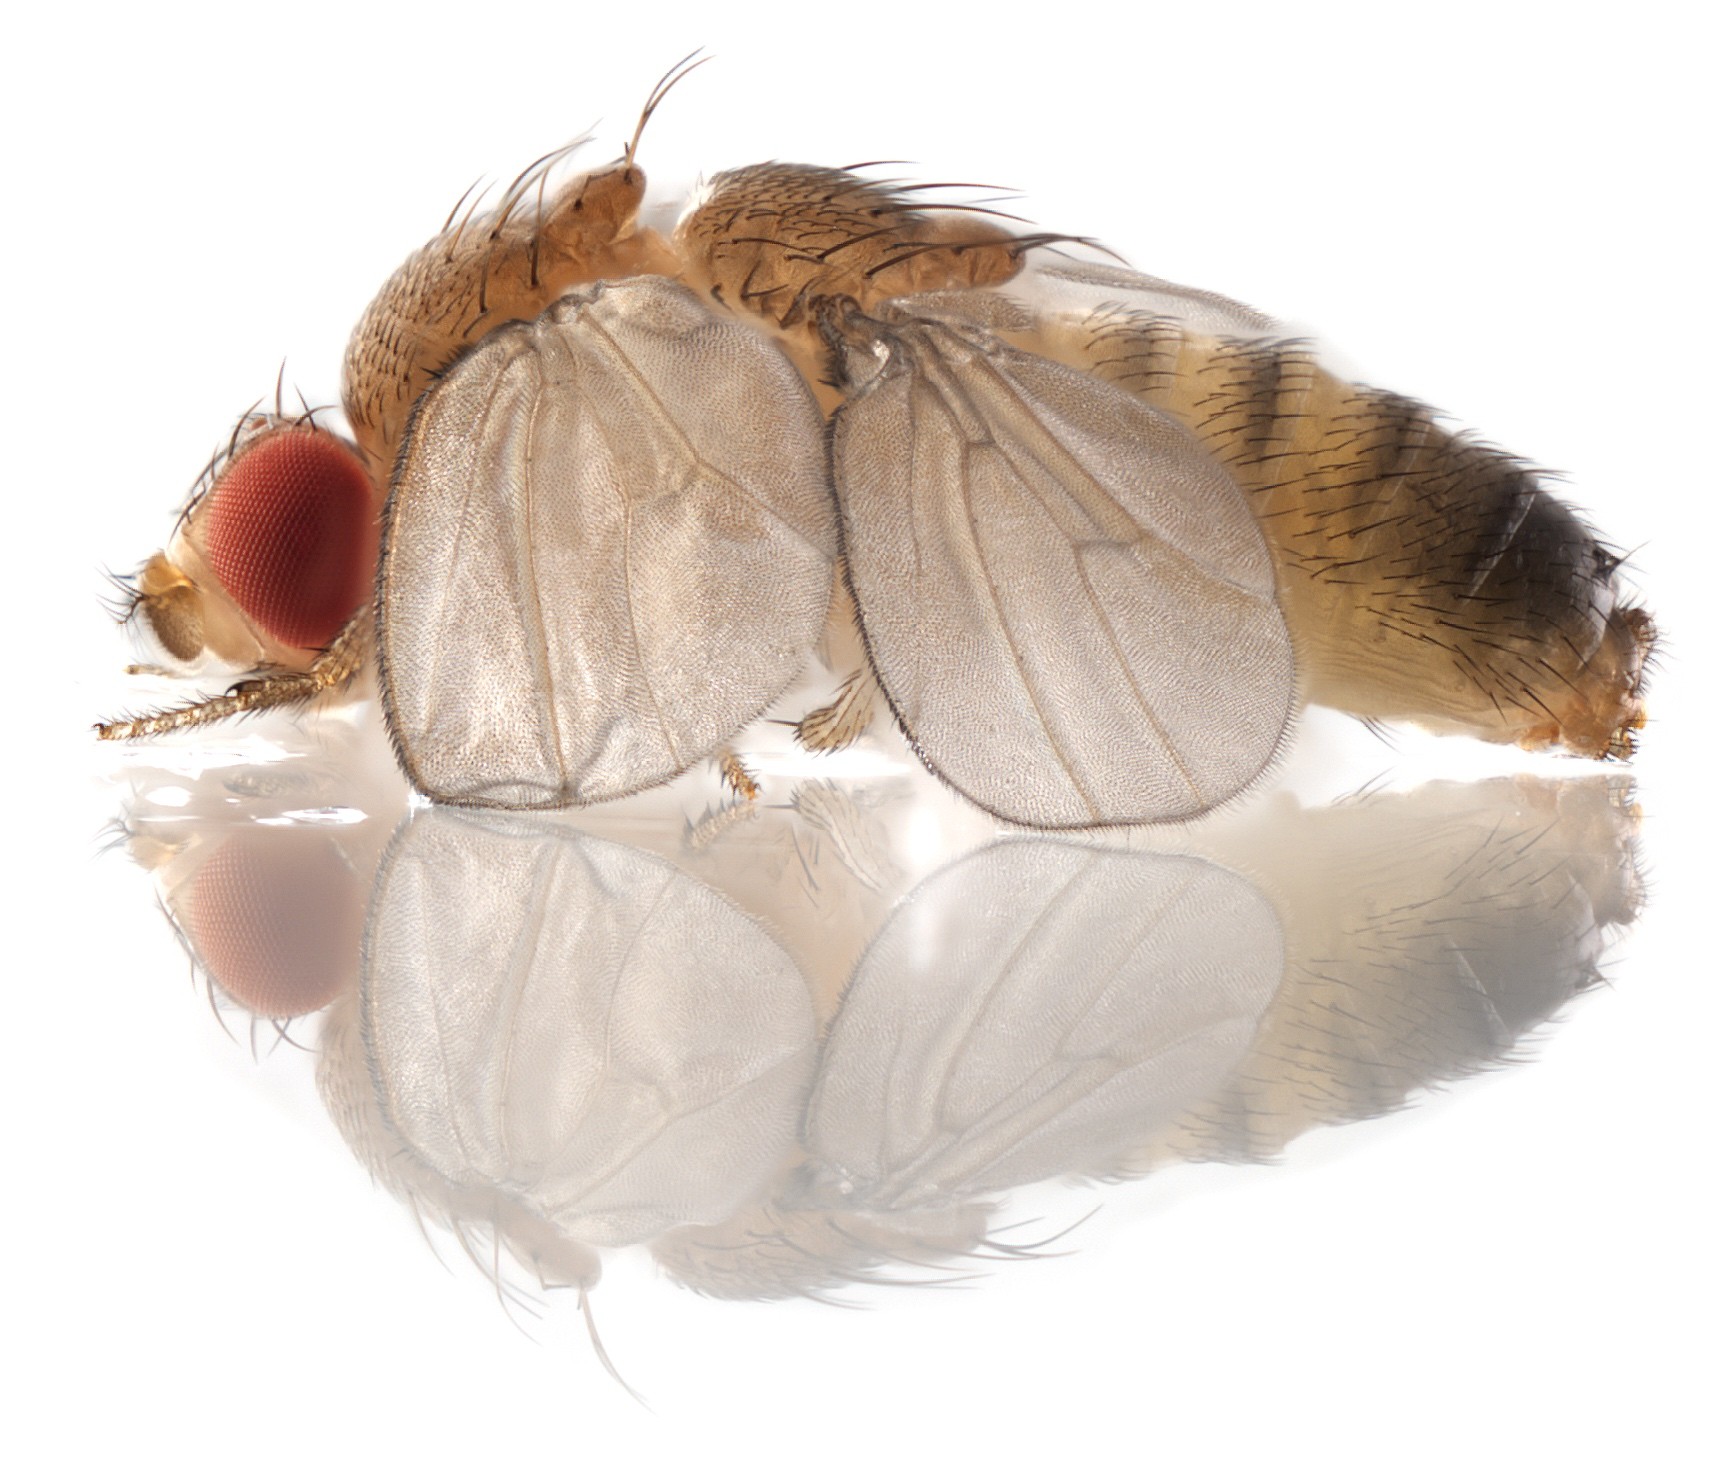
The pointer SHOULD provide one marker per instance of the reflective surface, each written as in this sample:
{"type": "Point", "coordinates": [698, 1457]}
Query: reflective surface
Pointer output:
{"type": "Point", "coordinates": [794, 1046]}
{"type": "Point", "coordinates": [857, 1045]}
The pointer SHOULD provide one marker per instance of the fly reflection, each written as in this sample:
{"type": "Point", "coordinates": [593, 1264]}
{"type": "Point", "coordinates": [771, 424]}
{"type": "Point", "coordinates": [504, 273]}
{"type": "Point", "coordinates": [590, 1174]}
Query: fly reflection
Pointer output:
{"type": "Point", "coordinates": [1029, 1012]}
{"type": "Point", "coordinates": [785, 1057]}
{"type": "Point", "coordinates": [1431, 934]}
{"type": "Point", "coordinates": [578, 1026]}
{"type": "Point", "coordinates": [265, 868]}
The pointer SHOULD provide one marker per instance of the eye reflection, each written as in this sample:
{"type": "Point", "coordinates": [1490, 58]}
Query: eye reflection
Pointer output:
{"type": "Point", "coordinates": [787, 1058]}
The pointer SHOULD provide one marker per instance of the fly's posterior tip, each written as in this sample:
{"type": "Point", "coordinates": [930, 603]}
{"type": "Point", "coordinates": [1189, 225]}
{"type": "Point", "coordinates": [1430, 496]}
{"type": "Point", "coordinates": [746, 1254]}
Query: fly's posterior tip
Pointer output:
{"type": "Point", "coordinates": [1639, 638]}
{"type": "Point", "coordinates": [1608, 712]}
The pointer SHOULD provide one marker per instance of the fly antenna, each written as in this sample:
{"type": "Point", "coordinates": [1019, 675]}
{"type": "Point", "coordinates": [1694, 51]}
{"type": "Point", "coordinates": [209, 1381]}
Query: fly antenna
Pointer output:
{"type": "Point", "coordinates": [660, 91]}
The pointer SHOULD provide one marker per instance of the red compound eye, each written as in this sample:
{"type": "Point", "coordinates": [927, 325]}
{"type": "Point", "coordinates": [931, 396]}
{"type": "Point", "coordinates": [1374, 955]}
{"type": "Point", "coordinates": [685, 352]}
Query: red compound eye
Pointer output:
{"type": "Point", "coordinates": [277, 919]}
{"type": "Point", "coordinates": [290, 533]}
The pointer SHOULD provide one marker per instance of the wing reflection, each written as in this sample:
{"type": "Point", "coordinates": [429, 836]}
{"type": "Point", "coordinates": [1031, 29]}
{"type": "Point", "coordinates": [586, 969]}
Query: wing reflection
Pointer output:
{"type": "Point", "coordinates": [1028, 1012]}
{"type": "Point", "coordinates": [1043, 1011]}
{"type": "Point", "coordinates": [578, 1026]}
{"type": "Point", "coordinates": [783, 1056]}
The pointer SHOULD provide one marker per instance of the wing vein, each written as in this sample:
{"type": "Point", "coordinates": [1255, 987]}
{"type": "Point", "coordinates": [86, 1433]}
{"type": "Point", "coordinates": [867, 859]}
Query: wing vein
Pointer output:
{"type": "Point", "coordinates": [531, 591]}
{"type": "Point", "coordinates": [993, 598]}
{"type": "Point", "coordinates": [996, 600]}
{"type": "Point", "coordinates": [440, 643]}
{"type": "Point", "coordinates": [643, 672]}
{"type": "Point", "coordinates": [1019, 402]}
{"type": "Point", "coordinates": [1077, 548]}
{"type": "Point", "coordinates": [645, 392]}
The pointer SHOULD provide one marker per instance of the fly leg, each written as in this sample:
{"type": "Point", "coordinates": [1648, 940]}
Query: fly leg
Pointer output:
{"type": "Point", "coordinates": [733, 772]}
{"type": "Point", "coordinates": [844, 719]}
{"type": "Point", "coordinates": [341, 660]}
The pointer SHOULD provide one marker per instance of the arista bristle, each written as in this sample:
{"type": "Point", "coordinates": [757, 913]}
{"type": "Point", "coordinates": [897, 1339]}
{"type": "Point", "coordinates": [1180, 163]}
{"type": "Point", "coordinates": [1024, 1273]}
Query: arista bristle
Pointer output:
{"type": "Point", "coordinates": [291, 533]}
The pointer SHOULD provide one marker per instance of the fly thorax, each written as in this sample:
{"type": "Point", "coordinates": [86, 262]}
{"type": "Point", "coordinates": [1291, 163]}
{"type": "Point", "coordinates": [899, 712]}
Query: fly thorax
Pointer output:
{"type": "Point", "coordinates": [774, 238]}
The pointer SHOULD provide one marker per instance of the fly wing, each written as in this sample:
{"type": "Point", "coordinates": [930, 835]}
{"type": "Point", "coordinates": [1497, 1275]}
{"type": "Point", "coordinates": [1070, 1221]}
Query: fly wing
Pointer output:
{"type": "Point", "coordinates": [1066, 599]}
{"type": "Point", "coordinates": [609, 546]}
{"type": "Point", "coordinates": [1080, 287]}
{"type": "Point", "coordinates": [1092, 294]}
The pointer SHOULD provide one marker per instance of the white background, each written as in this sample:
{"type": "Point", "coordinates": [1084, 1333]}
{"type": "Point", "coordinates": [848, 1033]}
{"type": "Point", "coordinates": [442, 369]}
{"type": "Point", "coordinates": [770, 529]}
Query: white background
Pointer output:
{"type": "Point", "coordinates": [1491, 207]}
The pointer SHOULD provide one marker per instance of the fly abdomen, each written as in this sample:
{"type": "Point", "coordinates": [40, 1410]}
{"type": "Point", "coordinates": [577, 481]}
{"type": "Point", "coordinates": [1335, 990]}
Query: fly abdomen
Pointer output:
{"type": "Point", "coordinates": [1427, 576]}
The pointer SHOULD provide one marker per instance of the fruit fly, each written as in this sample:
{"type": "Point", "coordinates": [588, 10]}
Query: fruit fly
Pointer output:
{"type": "Point", "coordinates": [1100, 533]}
